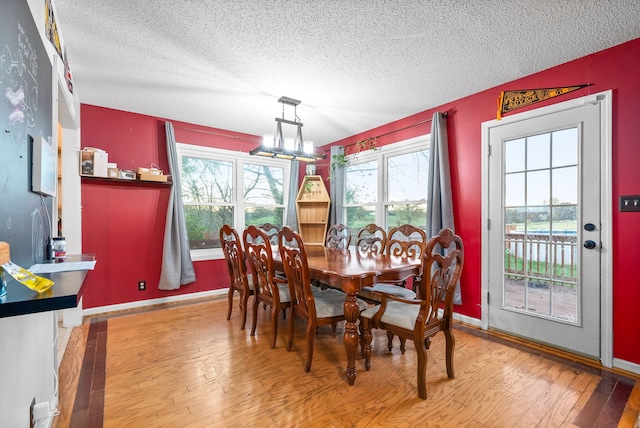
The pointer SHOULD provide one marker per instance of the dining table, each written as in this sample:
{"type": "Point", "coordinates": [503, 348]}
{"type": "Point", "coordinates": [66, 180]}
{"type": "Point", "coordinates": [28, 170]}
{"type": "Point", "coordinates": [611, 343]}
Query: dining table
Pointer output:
{"type": "Point", "coordinates": [350, 270]}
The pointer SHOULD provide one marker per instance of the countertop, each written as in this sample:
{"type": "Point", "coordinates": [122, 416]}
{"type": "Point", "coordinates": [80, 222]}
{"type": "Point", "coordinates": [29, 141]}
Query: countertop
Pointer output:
{"type": "Point", "coordinates": [64, 294]}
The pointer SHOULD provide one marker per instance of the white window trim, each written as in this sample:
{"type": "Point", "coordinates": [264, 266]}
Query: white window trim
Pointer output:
{"type": "Point", "coordinates": [380, 155]}
{"type": "Point", "coordinates": [238, 159]}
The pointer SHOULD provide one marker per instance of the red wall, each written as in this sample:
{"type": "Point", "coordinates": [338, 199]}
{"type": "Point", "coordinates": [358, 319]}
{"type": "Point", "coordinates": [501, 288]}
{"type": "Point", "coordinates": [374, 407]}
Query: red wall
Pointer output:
{"type": "Point", "coordinates": [127, 234]}
{"type": "Point", "coordinates": [123, 224]}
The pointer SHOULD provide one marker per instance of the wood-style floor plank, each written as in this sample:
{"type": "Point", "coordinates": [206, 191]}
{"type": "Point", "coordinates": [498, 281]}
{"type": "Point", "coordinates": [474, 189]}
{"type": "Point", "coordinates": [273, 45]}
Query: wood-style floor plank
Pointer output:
{"type": "Point", "coordinates": [186, 366]}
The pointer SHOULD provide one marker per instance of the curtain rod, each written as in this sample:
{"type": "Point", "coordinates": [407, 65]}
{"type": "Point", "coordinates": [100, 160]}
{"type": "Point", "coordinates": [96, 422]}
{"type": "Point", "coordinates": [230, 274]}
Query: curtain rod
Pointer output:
{"type": "Point", "coordinates": [445, 114]}
{"type": "Point", "coordinates": [235, 137]}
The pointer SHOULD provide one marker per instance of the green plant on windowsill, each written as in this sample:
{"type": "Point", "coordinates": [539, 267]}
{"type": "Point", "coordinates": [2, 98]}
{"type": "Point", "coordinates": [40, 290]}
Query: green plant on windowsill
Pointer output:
{"type": "Point", "coordinates": [341, 160]}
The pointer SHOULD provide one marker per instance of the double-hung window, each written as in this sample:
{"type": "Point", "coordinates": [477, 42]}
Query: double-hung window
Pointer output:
{"type": "Point", "coordinates": [388, 186]}
{"type": "Point", "coordinates": [228, 187]}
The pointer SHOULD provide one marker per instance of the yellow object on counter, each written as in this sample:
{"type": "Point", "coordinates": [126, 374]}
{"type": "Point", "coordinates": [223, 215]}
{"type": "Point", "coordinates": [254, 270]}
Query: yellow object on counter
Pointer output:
{"type": "Point", "coordinates": [26, 278]}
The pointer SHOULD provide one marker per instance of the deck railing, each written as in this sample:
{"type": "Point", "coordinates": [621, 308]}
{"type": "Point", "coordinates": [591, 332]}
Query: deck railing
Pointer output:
{"type": "Point", "coordinates": [542, 255]}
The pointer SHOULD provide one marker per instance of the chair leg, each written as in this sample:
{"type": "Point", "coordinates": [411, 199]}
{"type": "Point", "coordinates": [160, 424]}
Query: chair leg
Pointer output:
{"type": "Point", "coordinates": [254, 316]}
{"type": "Point", "coordinates": [451, 344]}
{"type": "Point", "coordinates": [292, 317]}
{"type": "Point", "coordinates": [427, 342]}
{"type": "Point", "coordinates": [389, 341]}
{"type": "Point", "coordinates": [422, 369]}
{"type": "Point", "coordinates": [274, 325]}
{"type": "Point", "coordinates": [403, 341]}
{"type": "Point", "coordinates": [230, 298]}
{"type": "Point", "coordinates": [244, 298]}
{"type": "Point", "coordinates": [334, 325]}
{"type": "Point", "coordinates": [310, 335]}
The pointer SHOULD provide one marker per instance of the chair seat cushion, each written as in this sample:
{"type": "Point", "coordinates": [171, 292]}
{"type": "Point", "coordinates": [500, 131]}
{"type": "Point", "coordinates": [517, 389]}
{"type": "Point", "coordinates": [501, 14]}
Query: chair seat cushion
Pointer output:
{"type": "Point", "coordinates": [330, 303]}
{"type": "Point", "coordinates": [397, 313]}
{"type": "Point", "coordinates": [394, 290]}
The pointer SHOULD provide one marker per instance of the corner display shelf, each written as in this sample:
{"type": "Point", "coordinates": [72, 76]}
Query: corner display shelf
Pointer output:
{"type": "Point", "coordinates": [312, 208]}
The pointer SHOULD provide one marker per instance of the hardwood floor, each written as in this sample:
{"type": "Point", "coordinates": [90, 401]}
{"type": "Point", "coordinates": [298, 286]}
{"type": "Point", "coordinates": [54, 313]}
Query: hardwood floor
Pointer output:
{"type": "Point", "coordinates": [185, 365]}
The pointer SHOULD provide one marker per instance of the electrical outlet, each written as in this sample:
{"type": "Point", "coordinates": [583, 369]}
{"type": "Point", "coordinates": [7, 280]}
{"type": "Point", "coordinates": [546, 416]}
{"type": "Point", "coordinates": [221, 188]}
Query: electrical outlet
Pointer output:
{"type": "Point", "coordinates": [142, 285]}
{"type": "Point", "coordinates": [41, 411]}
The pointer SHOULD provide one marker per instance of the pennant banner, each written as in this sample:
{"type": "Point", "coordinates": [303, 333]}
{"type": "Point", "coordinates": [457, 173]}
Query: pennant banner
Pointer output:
{"type": "Point", "coordinates": [513, 100]}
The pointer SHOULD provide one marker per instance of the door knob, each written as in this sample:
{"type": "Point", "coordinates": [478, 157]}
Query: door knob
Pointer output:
{"type": "Point", "coordinates": [589, 227]}
{"type": "Point", "coordinates": [589, 244]}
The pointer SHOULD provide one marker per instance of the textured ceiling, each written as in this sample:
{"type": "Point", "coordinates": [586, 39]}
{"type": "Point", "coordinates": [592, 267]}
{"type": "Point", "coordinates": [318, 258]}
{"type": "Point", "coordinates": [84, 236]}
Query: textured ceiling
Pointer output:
{"type": "Point", "coordinates": [355, 64]}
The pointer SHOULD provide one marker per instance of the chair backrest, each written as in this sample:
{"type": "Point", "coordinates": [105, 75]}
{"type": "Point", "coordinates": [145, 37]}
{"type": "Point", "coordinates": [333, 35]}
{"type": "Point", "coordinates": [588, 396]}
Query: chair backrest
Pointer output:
{"type": "Point", "coordinates": [294, 259]}
{"type": "Point", "coordinates": [441, 268]}
{"type": "Point", "coordinates": [338, 236]}
{"type": "Point", "coordinates": [406, 241]}
{"type": "Point", "coordinates": [233, 254]}
{"type": "Point", "coordinates": [271, 231]}
{"type": "Point", "coordinates": [371, 239]}
{"type": "Point", "coordinates": [260, 257]}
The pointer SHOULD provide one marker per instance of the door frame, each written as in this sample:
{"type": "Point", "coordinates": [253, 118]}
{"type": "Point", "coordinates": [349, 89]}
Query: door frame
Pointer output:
{"type": "Point", "coordinates": [606, 207]}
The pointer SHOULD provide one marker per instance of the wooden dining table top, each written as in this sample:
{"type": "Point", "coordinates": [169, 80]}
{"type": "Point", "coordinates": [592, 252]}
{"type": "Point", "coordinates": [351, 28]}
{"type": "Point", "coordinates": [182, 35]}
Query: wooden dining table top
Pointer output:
{"type": "Point", "coordinates": [339, 267]}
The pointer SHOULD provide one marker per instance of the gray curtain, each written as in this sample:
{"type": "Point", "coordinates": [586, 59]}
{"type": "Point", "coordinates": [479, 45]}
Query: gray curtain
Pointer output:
{"type": "Point", "coordinates": [440, 205]}
{"type": "Point", "coordinates": [336, 187]}
{"type": "Point", "coordinates": [292, 216]}
{"type": "Point", "coordinates": [177, 268]}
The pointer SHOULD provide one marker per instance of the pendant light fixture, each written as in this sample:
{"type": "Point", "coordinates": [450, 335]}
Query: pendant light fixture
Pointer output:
{"type": "Point", "coordinates": [277, 146]}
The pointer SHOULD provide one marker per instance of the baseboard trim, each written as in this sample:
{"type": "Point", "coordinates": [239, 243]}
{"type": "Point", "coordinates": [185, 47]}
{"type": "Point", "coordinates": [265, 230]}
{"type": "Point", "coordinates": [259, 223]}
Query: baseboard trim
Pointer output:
{"type": "Point", "coordinates": [150, 302]}
{"type": "Point", "coordinates": [467, 320]}
{"type": "Point", "coordinates": [626, 366]}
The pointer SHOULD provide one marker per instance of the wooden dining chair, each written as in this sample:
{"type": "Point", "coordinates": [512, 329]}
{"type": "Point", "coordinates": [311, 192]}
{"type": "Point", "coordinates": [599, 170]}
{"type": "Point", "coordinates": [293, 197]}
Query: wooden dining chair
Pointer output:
{"type": "Point", "coordinates": [318, 308]}
{"type": "Point", "coordinates": [371, 239]}
{"type": "Point", "coordinates": [271, 231]}
{"type": "Point", "coordinates": [238, 279]}
{"type": "Point", "coordinates": [420, 319]}
{"type": "Point", "coordinates": [405, 241]}
{"type": "Point", "coordinates": [338, 236]}
{"type": "Point", "coordinates": [269, 289]}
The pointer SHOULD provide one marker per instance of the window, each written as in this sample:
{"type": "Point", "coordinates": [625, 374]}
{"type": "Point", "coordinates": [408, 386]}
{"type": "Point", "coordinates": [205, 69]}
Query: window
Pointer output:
{"type": "Point", "coordinates": [226, 187]}
{"type": "Point", "coordinates": [388, 186]}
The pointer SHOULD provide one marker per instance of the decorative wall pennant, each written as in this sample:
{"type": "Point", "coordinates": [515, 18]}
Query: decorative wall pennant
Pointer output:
{"type": "Point", "coordinates": [513, 100]}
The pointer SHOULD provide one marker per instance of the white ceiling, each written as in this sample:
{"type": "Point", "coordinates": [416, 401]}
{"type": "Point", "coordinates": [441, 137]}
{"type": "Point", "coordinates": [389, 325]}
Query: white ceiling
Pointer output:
{"type": "Point", "coordinates": [355, 64]}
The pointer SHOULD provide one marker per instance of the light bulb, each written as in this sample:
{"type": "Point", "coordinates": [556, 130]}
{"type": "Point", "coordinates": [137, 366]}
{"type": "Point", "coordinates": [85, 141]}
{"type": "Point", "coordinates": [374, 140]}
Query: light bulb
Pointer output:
{"type": "Point", "coordinates": [308, 147]}
{"type": "Point", "coordinates": [267, 140]}
{"type": "Point", "coordinates": [289, 144]}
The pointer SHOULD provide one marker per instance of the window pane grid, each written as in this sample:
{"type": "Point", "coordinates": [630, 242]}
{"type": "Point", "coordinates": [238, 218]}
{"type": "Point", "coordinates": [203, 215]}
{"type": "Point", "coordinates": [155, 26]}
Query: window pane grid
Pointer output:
{"type": "Point", "coordinates": [540, 205]}
{"type": "Point", "coordinates": [223, 187]}
{"type": "Point", "coordinates": [388, 188]}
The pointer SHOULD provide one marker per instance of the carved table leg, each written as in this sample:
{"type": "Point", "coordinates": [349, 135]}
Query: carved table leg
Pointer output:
{"type": "Point", "coordinates": [351, 338]}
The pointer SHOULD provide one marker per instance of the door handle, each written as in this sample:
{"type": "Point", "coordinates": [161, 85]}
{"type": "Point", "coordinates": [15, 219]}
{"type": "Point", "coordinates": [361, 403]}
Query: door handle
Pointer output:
{"type": "Point", "coordinates": [589, 244]}
{"type": "Point", "coordinates": [589, 227]}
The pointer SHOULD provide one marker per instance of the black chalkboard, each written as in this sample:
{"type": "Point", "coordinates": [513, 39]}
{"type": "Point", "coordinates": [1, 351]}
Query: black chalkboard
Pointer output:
{"type": "Point", "coordinates": [25, 111]}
